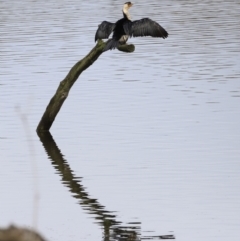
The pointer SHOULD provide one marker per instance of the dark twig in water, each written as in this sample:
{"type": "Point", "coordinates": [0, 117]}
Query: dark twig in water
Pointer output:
{"type": "Point", "coordinates": [33, 162]}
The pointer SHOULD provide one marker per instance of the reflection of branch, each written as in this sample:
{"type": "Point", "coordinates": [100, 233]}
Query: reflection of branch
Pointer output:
{"type": "Point", "coordinates": [105, 218]}
{"type": "Point", "coordinates": [113, 230]}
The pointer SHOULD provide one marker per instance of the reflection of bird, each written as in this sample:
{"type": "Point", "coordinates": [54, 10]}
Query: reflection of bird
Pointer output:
{"type": "Point", "coordinates": [125, 28]}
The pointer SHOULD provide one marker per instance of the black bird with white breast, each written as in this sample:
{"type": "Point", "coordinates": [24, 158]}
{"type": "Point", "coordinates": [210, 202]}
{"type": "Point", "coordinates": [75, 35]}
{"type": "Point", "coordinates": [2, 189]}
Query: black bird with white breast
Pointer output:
{"type": "Point", "coordinates": [125, 28]}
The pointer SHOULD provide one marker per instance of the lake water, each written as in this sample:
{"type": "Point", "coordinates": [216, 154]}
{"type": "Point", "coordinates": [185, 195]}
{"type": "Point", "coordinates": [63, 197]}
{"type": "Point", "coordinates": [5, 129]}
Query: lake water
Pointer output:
{"type": "Point", "coordinates": [147, 143]}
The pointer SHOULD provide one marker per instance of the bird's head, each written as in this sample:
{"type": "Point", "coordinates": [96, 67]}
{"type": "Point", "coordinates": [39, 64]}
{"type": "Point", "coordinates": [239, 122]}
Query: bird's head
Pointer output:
{"type": "Point", "coordinates": [126, 7]}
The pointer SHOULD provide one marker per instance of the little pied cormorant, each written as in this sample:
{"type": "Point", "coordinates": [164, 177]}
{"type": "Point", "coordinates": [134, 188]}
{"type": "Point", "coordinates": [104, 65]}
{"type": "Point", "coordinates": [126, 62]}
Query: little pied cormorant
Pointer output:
{"type": "Point", "coordinates": [125, 28]}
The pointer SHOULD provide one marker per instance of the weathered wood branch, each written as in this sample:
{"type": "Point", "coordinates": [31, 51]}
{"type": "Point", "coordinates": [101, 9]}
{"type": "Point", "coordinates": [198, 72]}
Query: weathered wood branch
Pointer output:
{"type": "Point", "coordinates": [65, 85]}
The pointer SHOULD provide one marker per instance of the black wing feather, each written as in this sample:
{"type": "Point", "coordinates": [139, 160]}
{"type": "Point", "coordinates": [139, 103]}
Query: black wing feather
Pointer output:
{"type": "Point", "coordinates": [104, 30]}
{"type": "Point", "coordinates": [144, 27]}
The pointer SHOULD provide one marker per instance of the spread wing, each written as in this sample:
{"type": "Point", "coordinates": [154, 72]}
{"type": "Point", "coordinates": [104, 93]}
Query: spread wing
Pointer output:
{"type": "Point", "coordinates": [104, 30]}
{"type": "Point", "coordinates": [145, 27]}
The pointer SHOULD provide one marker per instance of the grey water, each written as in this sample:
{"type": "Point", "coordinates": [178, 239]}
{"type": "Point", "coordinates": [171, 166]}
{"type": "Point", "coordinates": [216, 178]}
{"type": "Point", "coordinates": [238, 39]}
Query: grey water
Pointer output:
{"type": "Point", "coordinates": [147, 144]}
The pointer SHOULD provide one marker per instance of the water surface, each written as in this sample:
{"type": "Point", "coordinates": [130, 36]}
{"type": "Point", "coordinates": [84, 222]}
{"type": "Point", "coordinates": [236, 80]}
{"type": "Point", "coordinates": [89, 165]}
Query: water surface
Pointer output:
{"type": "Point", "coordinates": [147, 143]}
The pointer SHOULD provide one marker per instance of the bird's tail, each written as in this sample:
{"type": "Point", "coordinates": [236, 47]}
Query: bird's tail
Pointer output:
{"type": "Point", "coordinates": [111, 44]}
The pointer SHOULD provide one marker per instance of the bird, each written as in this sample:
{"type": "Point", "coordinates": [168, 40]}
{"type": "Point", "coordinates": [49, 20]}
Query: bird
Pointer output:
{"type": "Point", "coordinates": [125, 28]}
